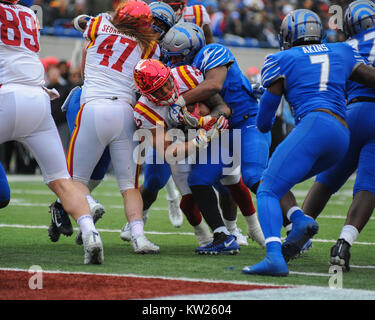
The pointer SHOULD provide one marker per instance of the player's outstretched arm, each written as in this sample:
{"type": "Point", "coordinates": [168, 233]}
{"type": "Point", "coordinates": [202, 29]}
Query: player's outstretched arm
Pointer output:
{"type": "Point", "coordinates": [364, 74]}
{"type": "Point", "coordinates": [269, 103]}
{"type": "Point", "coordinates": [213, 84]}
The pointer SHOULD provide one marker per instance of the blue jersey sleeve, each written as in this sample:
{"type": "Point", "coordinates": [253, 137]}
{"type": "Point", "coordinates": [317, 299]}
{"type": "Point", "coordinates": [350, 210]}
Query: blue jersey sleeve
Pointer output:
{"type": "Point", "coordinates": [213, 56]}
{"type": "Point", "coordinates": [353, 57]}
{"type": "Point", "coordinates": [271, 71]}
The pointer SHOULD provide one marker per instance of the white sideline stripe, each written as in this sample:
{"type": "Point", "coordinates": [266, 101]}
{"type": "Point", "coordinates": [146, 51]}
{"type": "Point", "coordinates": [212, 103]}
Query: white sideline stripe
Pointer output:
{"type": "Point", "coordinates": [19, 203]}
{"type": "Point", "coordinates": [132, 275]}
{"type": "Point", "coordinates": [21, 226]}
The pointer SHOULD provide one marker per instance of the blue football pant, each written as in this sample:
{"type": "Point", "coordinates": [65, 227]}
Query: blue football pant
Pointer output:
{"type": "Point", "coordinates": [249, 148]}
{"type": "Point", "coordinates": [317, 143]}
{"type": "Point", "coordinates": [361, 152]}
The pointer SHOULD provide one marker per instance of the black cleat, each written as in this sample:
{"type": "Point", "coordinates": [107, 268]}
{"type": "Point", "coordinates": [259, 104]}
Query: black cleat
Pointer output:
{"type": "Point", "coordinates": [60, 222]}
{"type": "Point", "coordinates": [340, 255]}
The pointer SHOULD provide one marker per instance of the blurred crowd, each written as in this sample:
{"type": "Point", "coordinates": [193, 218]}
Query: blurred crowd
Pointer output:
{"type": "Point", "coordinates": [258, 20]}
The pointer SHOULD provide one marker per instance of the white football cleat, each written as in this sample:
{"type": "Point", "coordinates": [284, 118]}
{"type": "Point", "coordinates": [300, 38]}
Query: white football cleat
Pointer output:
{"type": "Point", "coordinates": [93, 248]}
{"type": "Point", "coordinates": [175, 214]}
{"type": "Point", "coordinates": [96, 210]}
{"type": "Point", "coordinates": [241, 239]}
{"type": "Point", "coordinates": [143, 246]}
{"type": "Point", "coordinates": [254, 231]}
{"type": "Point", "coordinates": [126, 233]}
{"type": "Point", "coordinates": [203, 234]}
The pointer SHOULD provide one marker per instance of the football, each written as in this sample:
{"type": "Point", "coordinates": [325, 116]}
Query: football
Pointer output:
{"type": "Point", "coordinates": [204, 110]}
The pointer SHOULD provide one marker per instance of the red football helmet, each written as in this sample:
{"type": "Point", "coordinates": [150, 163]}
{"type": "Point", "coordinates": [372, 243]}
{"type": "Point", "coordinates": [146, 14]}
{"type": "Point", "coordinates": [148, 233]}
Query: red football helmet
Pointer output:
{"type": "Point", "coordinates": [156, 82]}
{"type": "Point", "coordinates": [177, 5]}
{"type": "Point", "coordinates": [11, 1]}
{"type": "Point", "coordinates": [135, 12]}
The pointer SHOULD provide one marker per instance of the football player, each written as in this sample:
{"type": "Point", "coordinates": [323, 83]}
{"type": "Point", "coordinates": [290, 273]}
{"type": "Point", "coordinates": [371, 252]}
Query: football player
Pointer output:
{"type": "Point", "coordinates": [321, 136]}
{"type": "Point", "coordinates": [196, 14]}
{"type": "Point", "coordinates": [148, 115]}
{"type": "Point", "coordinates": [116, 44]}
{"type": "Point", "coordinates": [184, 45]}
{"type": "Point", "coordinates": [26, 116]}
{"type": "Point", "coordinates": [359, 24]}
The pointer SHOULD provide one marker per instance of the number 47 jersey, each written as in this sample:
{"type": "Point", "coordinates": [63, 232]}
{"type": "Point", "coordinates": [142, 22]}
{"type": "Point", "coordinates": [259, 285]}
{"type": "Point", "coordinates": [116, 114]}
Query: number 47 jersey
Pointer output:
{"type": "Point", "coordinates": [314, 76]}
{"type": "Point", "coordinates": [110, 60]}
{"type": "Point", "coordinates": [19, 46]}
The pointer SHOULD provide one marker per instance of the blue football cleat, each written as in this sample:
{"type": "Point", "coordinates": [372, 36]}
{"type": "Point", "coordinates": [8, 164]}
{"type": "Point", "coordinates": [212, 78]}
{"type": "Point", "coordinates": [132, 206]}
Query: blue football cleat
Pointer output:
{"type": "Point", "coordinates": [273, 265]}
{"type": "Point", "coordinates": [222, 244]}
{"type": "Point", "coordinates": [302, 231]}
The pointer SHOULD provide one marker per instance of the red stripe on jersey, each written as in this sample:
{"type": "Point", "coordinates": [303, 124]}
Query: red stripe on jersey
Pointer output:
{"type": "Point", "coordinates": [149, 114]}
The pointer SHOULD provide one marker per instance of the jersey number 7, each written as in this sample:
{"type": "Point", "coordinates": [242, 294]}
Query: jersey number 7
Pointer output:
{"type": "Point", "coordinates": [322, 59]}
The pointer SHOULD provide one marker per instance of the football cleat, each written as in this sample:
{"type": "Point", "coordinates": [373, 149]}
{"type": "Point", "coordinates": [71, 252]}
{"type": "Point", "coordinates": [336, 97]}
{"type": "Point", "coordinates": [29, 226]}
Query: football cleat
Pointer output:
{"type": "Point", "coordinates": [93, 248]}
{"type": "Point", "coordinates": [126, 233]}
{"type": "Point", "coordinates": [175, 214]}
{"type": "Point", "coordinates": [142, 245]}
{"type": "Point", "coordinates": [240, 238]}
{"type": "Point", "coordinates": [60, 222]}
{"type": "Point", "coordinates": [203, 234]}
{"type": "Point", "coordinates": [96, 210]}
{"type": "Point", "coordinates": [303, 230]}
{"type": "Point", "coordinates": [340, 255]}
{"type": "Point", "coordinates": [222, 244]}
{"type": "Point", "coordinates": [272, 265]}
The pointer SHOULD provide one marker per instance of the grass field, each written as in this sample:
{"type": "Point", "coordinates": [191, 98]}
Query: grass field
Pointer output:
{"type": "Point", "coordinates": [24, 242]}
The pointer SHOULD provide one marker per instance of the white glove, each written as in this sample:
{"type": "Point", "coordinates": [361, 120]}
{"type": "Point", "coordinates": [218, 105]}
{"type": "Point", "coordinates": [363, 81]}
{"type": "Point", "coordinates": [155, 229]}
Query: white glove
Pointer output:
{"type": "Point", "coordinates": [53, 93]}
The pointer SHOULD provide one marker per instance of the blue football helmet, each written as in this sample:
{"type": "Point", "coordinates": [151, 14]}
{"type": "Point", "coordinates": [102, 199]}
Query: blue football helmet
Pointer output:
{"type": "Point", "coordinates": [164, 13]}
{"type": "Point", "coordinates": [300, 26]}
{"type": "Point", "coordinates": [359, 17]}
{"type": "Point", "coordinates": [184, 39]}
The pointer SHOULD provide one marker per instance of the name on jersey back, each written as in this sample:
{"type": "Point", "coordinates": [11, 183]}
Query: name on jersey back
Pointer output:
{"type": "Point", "coordinates": [315, 48]}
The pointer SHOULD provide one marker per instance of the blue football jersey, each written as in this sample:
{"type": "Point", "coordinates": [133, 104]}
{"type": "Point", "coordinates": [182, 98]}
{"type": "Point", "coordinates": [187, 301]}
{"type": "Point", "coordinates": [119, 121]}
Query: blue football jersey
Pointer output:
{"type": "Point", "coordinates": [237, 90]}
{"type": "Point", "coordinates": [365, 44]}
{"type": "Point", "coordinates": [315, 76]}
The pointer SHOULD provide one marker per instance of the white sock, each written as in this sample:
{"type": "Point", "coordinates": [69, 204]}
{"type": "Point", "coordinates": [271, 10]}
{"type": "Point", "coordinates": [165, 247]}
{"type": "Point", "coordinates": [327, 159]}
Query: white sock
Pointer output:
{"type": "Point", "coordinates": [291, 211]}
{"type": "Point", "coordinates": [231, 225]}
{"type": "Point", "coordinates": [86, 224]}
{"type": "Point", "coordinates": [90, 199]}
{"type": "Point", "coordinates": [349, 234]}
{"type": "Point", "coordinates": [137, 228]}
{"type": "Point", "coordinates": [222, 229]}
{"type": "Point", "coordinates": [172, 192]}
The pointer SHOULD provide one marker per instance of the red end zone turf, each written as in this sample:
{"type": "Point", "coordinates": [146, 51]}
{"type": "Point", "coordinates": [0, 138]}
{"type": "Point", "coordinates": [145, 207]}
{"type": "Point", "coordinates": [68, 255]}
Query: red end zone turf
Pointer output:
{"type": "Point", "coordinates": [14, 285]}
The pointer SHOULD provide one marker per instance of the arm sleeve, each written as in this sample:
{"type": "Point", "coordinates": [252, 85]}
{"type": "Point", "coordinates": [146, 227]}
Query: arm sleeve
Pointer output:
{"type": "Point", "coordinates": [354, 58]}
{"type": "Point", "coordinates": [267, 110]}
{"type": "Point", "coordinates": [213, 57]}
{"type": "Point", "coordinates": [271, 71]}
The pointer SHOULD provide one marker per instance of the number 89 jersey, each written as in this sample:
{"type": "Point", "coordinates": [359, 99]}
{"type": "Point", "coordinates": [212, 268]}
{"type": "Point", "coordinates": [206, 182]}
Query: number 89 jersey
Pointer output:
{"type": "Point", "coordinates": [19, 46]}
{"type": "Point", "coordinates": [314, 76]}
{"type": "Point", "coordinates": [110, 60]}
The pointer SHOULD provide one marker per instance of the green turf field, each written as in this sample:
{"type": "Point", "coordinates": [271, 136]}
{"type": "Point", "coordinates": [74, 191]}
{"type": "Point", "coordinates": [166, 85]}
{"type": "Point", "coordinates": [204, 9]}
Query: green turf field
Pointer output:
{"type": "Point", "coordinates": [22, 246]}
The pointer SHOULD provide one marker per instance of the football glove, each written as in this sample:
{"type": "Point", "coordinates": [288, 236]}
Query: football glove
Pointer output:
{"type": "Point", "coordinates": [204, 137]}
{"type": "Point", "coordinates": [222, 123]}
{"type": "Point", "coordinates": [195, 120]}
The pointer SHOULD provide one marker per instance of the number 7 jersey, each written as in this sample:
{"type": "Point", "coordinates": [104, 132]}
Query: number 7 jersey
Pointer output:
{"type": "Point", "coordinates": [314, 76]}
{"type": "Point", "coordinates": [19, 46]}
{"type": "Point", "coordinates": [110, 60]}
